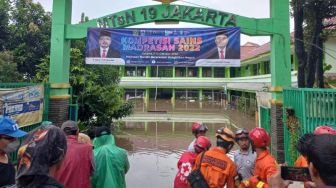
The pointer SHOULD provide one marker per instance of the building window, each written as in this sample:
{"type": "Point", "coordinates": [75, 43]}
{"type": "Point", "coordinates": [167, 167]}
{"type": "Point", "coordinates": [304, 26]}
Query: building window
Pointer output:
{"type": "Point", "coordinates": [180, 71]}
{"type": "Point", "coordinates": [181, 94]}
{"type": "Point", "coordinates": [135, 71]}
{"type": "Point", "coordinates": [267, 67]}
{"type": "Point", "coordinates": [192, 71]}
{"type": "Point", "coordinates": [255, 69]}
{"type": "Point", "coordinates": [130, 71]}
{"type": "Point", "coordinates": [206, 72]}
{"type": "Point", "coordinates": [162, 71]}
{"type": "Point", "coordinates": [141, 71]}
{"type": "Point", "coordinates": [219, 72]}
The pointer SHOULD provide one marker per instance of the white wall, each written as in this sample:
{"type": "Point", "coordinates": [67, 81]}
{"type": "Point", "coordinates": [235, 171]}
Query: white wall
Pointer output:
{"type": "Point", "coordinates": [330, 55]}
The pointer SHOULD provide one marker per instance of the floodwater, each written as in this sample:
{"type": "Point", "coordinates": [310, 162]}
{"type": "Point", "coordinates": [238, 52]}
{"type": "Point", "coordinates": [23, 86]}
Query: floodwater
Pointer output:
{"type": "Point", "coordinates": [155, 141]}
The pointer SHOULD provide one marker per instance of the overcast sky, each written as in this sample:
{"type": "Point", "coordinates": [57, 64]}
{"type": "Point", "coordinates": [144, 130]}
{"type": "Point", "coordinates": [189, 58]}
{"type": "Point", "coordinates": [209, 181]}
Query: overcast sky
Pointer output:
{"type": "Point", "coordinates": [99, 8]}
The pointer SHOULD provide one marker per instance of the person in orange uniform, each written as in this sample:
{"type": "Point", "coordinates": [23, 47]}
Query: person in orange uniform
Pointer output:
{"type": "Point", "coordinates": [301, 146]}
{"type": "Point", "coordinates": [265, 165]}
{"type": "Point", "coordinates": [216, 167]}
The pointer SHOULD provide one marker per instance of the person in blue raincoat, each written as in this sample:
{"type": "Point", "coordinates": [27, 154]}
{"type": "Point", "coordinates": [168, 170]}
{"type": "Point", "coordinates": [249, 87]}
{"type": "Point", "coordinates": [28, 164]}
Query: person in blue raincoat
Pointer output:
{"type": "Point", "coordinates": [111, 161]}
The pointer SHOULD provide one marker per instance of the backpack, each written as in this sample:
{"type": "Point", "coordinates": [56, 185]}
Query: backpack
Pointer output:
{"type": "Point", "coordinates": [196, 178]}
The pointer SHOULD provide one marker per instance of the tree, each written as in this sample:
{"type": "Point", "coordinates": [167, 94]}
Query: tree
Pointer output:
{"type": "Point", "coordinates": [8, 69]}
{"type": "Point", "coordinates": [312, 13]}
{"type": "Point", "coordinates": [298, 35]}
{"type": "Point", "coordinates": [30, 35]}
{"type": "Point", "coordinates": [4, 20]}
{"type": "Point", "coordinates": [95, 88]}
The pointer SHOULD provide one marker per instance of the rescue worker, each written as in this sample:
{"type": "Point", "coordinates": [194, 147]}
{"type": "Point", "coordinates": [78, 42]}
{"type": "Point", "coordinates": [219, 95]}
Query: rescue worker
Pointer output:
{"type": "Point", "coordinates": [302, 144]}
{"type": "Point", "coordinates": [322, 163]}
{"type": "Point", "coordinates": [216, 167]}
{"type": "Point", "coordinates": [302, 147]}
{"type": "Point", "coordinates": [324, 130]}
{"type": "Point", "coordinates": [244, 157]}
{"type": "Point", "coordinates": [198, 129]}
{"type": "Point", "coordinates": [265, 165]}
{"type": "Point", "coordinates": [111, 161]}
{"type": "Point", "coordinates": [187, 160]}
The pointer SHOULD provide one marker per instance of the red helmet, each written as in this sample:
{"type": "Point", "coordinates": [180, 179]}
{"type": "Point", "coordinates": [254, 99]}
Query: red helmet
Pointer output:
{"type": "Point", "coordinates": [198, 127]}
{"type": "Point", "coordinates": [202, 143]}
{"type": "Point", "coordinates": [259, 137]}
{"type": "Point", "coordinates": [324, 130]}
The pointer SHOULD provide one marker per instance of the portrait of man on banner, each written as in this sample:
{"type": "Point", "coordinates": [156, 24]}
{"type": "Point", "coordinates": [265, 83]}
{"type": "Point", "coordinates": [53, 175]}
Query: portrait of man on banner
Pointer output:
{"type": "Point", "coordinates": [104, 50]}
{"type": "Point", "coordinates": [223, 49]}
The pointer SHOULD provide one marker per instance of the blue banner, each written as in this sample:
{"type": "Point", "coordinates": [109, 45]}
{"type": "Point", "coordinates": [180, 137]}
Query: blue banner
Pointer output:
{"type": "Point", "coordinates": [20, 108]}
{"type": "Point", "coordinates": [215, 47]}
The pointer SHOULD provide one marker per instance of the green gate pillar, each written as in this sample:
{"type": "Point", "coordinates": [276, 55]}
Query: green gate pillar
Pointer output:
{"type": "Point", "coordinates": [280, 71]}
{"type": "Point", "coordinates": [59, 62]}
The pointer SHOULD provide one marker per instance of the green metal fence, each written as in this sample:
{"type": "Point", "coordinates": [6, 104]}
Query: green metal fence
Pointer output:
{"type": "Point", "coordinates": [312, 107]}
{"type": "Point", "coordinates": [265, 120]}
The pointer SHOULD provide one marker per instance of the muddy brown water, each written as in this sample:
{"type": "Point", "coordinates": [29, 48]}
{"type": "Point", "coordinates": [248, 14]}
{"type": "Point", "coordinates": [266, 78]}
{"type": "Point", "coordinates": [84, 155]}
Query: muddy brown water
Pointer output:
{"type": "Point", "coordinates": [155, 141]}
{"type": "Point", "coordinates": [154, 149]}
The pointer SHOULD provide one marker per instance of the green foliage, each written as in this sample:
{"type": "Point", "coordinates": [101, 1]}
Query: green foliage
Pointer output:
{"type": "Point", "coordinates": [4, 20]}
{"type": "Point", "coordinates": [95, 88]}
{"type": "Point", "coordinates": [8, 70]}
{"type": "Point", "coordinates": [30, 35]}
{"type": "Point", "coordinates": [326, 67]}
{"type": "Point", "coordinates": [312, 14]}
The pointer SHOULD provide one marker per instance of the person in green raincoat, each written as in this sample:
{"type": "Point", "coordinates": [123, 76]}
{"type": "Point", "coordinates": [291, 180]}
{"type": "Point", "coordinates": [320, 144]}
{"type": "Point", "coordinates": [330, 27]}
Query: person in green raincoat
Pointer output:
{"type": "Point", "coordinates": [111, 161]}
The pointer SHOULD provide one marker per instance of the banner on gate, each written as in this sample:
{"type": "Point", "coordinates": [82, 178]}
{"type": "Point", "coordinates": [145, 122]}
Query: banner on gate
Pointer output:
{"type": "Point", "coordinates": [25, 104]}
{"type": "Point", "coordinates": [215, 47]}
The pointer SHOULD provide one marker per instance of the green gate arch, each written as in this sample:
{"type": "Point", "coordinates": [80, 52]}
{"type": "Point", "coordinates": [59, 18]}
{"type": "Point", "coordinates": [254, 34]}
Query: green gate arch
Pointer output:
{"type": "Point", "coordinates": [277, 27]}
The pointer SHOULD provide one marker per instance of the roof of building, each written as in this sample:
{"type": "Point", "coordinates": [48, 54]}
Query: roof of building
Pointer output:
{"type": "Point", "coordinates": [251, 50]}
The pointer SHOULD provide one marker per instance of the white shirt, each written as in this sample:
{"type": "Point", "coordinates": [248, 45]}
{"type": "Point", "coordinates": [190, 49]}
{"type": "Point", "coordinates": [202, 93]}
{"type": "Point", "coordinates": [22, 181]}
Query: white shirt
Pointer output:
{"type": "Point", "coordinates": [101, 51]}
{"type": "Point", "coordinates": [219, 52]}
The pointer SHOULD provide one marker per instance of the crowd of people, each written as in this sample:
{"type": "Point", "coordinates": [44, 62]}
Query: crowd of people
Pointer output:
{"type": "Point", "coordinates": [53, 157]}
{"type": "Point", "coordinates": [252, 165]}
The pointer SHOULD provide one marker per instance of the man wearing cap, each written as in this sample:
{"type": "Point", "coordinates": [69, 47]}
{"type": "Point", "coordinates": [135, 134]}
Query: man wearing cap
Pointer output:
{"type": "Point", "coordinates": [111, 161]}
{"type": "Point", "coordinates": [78, 163]}
{"type": "Point", "coordinates": [9, 134]}
{"type": "Point", "coordinates": [104, 50]}
{"type": "Point", "coordinates": [216, 167]}
{"type": "Point", "coordinates": [244, 157]}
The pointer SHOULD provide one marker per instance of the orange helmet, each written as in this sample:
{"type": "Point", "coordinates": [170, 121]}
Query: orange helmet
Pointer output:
{"type": "Point", "coordinates": [225, 134]}
{"type": "Point", "coordinates": [198, 127]}
{"type": "Point", "coordinates": [259, 137]}
{"type": "Point", "coordinates": [202, 143]}
{"type": "Point", "coordinates": [324, 130]}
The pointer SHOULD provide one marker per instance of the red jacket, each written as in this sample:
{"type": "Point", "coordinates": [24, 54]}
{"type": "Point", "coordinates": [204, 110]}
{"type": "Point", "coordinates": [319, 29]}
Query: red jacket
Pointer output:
{"type": "Point", "coordinates": [77, 165]}
{"type": "Point", "coordinates": [185, 166]}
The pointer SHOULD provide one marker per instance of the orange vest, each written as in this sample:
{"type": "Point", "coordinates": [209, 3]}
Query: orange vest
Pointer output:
{"type": "Point", "coordinates": [265, 166]}
{"type": "Point", "coordinates": [301, 162]}
{"type": "Point", "coordinates": [217, 168]}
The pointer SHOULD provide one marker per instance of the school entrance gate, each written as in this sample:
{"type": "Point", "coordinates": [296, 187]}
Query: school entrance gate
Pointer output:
{"type": "Point", "coordinates": [277, 27]}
